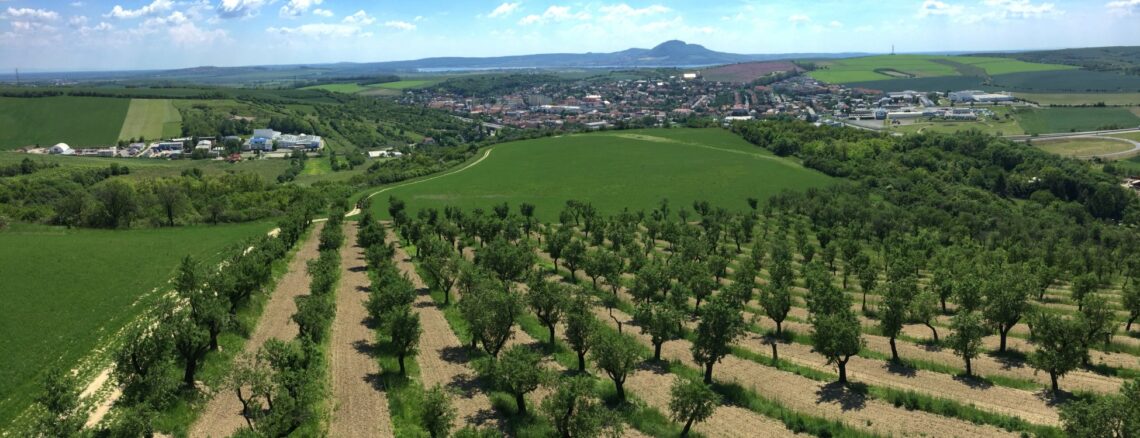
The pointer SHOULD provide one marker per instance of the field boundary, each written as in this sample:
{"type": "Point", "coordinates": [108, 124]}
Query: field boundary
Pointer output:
{"type": "Point", "coordinates": [404, 184]}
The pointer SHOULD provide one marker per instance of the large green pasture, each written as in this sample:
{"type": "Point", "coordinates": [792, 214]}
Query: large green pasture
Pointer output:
{"type": "Point", "coordinates": [339, 88]}
{"type": "Point", "coordinates": [77, 121]}
{"type": "Point", "coordinates": [613, 171]}
{"type": "Point", "coordinates": [1049, 120]}
{"type": "Point", "coordinates": [408, 84]}
{"type": "Point", "coordinates": [64, 290]}
{"type": "Point", "coordinates": [151, 119]}
{"type": "Point", "coordinates": [886, 67]}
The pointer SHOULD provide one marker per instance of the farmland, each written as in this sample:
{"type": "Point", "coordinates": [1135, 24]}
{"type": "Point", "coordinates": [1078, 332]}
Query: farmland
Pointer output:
{"type": "Point", "coordinates": [1046, 120]}
{"type": "Point", "coordinates": [746, 72]}
{"type": "Point", "coordinates": [66, 290]}
{"type": "Point", "coordinates": [634, 169]}
{"type": "Point", "coordinates": [876, 68]}
{"type": "Point", "coordinates": [151, 119]}
{"type": "Point", "coordinates": [1083, 147]}
{"type": "Point", "coordinates": [348, 88]}
{"type": "Point", "coordinates": [77, 121]}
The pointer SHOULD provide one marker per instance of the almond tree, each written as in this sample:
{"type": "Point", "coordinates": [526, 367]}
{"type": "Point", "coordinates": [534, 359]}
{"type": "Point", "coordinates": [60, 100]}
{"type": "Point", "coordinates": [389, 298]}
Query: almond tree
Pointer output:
{"type": "Point", "coordinates": [721, 323]}
{"type": "Point", "coordinates": [617, 355]}
{"type": "Point", "coordinates": [966, 340]}
{"type": "Point", "coordinates": [661, 322]}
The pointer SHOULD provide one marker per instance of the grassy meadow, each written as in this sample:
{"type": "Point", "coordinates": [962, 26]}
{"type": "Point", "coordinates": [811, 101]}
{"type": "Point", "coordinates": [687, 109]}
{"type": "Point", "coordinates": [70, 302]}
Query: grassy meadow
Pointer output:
{"type": "Point", "coordinates": [613, 170]}
{"type": "Point", "coordinates": [1081, 98]}
{"type": "Point", "coordinates": [1047, 120]}
{"type": "Point", "coordinates": [886, 67]}
{"type": "Point", "coordinates": [65, 290]}
{"type": "Point", "coordinates": [1082, 147]}
{"type": "Point", "coordinates": [151, 119]}
{"type": "Point", "coordinates": [77, 121]}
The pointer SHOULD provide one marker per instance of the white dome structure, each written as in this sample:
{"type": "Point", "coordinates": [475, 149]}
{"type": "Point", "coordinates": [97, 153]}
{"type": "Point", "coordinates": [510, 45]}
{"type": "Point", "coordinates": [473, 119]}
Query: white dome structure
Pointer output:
{"type": "Point", "coordinates": [60, 148]}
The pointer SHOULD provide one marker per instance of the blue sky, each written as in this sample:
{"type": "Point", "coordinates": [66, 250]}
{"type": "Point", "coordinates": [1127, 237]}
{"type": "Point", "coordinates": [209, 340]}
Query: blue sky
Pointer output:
{"type": "Point", "coordinates": [144, 34]}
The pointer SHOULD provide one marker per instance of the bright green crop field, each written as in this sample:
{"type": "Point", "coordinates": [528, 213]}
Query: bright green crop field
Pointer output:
{"type": "Point", "coordinates": [1049, 120]}
{"type": "Point", "coordinates": [77, 121]}
{"type": "Point", "coordinates": [65, 289]}
{"type": "Point", "coordinates": [885, 67]}
{"type": "Point", "coordinates": [151, 119]}
{"type": "Point", "coordinates": [612, 170]}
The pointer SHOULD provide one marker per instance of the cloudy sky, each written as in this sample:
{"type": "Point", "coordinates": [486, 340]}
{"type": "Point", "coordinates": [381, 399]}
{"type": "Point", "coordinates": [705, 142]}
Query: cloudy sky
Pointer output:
{"type": "Point", "coordinates": [145, 34]}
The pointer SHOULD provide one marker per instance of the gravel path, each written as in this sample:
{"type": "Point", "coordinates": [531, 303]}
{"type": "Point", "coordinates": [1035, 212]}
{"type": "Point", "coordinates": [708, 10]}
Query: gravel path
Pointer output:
{"type": "Point", "coordinates": [222, 416]}
{"type": "Point", "coordinates": [443, 359]}
{"type": "Point", "coordinates": [361, 405]}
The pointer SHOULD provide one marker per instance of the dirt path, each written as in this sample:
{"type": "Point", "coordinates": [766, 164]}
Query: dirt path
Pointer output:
{"type": "Point", "coordinates": [360, 403]}
{"type": "Point", "coordinates": [222, 416]}
{"type": "Point", "coordinates": [826, 400]}
{"type": "Point", "coordinates": [473, 164]}
{"type": "Point", "coordinates": [443, 359]}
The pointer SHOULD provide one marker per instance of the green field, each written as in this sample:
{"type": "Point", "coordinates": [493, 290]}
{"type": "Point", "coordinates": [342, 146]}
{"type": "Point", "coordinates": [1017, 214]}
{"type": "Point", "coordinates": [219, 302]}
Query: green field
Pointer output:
{"type": "Point", "coordinates": [384, 88]}
{"type": "Point", "coordinates": [1134, 136]}
{"type": "Point", "coordinates": [408, 84]}
{"type": "Point", "coordinates": [77, 121]}
{"type": "Point", "coordinates": [1081, 98]}
{"type": "Point", "coordinates": [887, 67]}
{"type": "Point", "coordinates": [150, 168]}
{"type": "Point", "coordinates": [1082, 147]}
{"type": "Point", "coordinates": [151, 119]}
{"type": "Point", "coordinates": [64, 290]}
{"type": "Point", "coordinates": [339, 88]}
{"type": "Point", "coordinates": [633, 169]}
{"type": "Point", "coordinates": [1049, 120]}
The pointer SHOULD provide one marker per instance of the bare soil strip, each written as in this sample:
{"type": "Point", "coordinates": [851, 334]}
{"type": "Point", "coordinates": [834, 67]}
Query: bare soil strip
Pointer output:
{"type": "Point", "coordinates": [222, 416]}
{"type": "Point", "coordinates": [361, 404]}
{"type": "Point", "coordinates": [443, 359]}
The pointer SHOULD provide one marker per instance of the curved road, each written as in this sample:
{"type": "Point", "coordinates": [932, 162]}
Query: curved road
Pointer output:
{"type": "Point", "coordinates": [1122, 154]}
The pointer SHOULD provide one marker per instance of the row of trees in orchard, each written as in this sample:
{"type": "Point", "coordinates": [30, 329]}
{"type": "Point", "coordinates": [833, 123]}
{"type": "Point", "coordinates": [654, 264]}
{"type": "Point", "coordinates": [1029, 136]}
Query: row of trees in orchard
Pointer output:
{"type": "Point", "coordinates": [158, 361]}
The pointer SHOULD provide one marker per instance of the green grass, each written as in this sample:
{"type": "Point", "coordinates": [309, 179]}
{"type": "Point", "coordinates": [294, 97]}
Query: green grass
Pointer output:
{"type": "Point", "coordinates": [64, 290]}
{"type": "Point", "coordinates": [339, 88]}
{"type": "Point", "coordinates": [142, 168]}
{"type": "Point", "coordinates": [614, 170]}
{"type": "Point", "coordinates": [1049, 120]}
{"type": "Point", "coordinates": [1081, 98]}
{"type": "Point", "coordinates": [407, 84]}
{"type": "Point", "coordinates": [1082, 147]}
{"type": "Point", "coordinates": [77, 121]}
{"type": "Point", "coordinates": [885, 67]}
{"type": "Point", "coordinates": [151, 119]}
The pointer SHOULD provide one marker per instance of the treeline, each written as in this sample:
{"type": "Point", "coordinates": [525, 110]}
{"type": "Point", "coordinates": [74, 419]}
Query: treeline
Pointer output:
{"type": "Point", "coordinates": [940, 162]}
{"type": "Point", "coordinates": [203, 120]}
{"type": "Point", "coordinates": [158, 362]}
{"type": "Point", "coordinates": [95, 198]}
{"type": "Point", "coordinates": [495, 85]}
{"type": "Point", "coordinates": [359, 80]}
{"type": "Point", "coordinates": [27, 166]}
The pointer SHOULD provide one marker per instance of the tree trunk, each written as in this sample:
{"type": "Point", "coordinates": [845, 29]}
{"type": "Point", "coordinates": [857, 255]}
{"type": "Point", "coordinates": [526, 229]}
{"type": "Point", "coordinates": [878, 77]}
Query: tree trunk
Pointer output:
{"type": "Point", "coordinates": [400, 358]}
{"type": "Point", "coordinates": [619, 387]}
{"type": "Point", "coordinates": [943, 299]}
{"type": "Point", "coordinates": [708, 372]}
{"type": "Point", "coordinates": [688, 425]}
{"type": "Point", "coordinates": [779, 327]}
{"type": "Point", "coordinates": [697, 308]}
{"type": "Point", "coordinates": [190, 371]}
{"type": "Point", "coordinates": [581, 361]}
{"type": "Point", "coordinates": [1001, 333]}
{"type": "Point", "coordinates": [894, 351]}
{"type": "Point", "coordinates": [447, 296]}
{"type": "Point", "coordinates": [933, 330]}
{"type": "Point", "coordinates": [595, 280]}
{"type": "Point", "coordinates": [657, 351]}
{"type": "Point", "coordinates": [775, 354]}
{"type": "Point", "coordinates": [474, 343]}
{"type": "Point", "coordinates": [843, 372]}
{"type": "Point", "coordinates": [214, 339]}
{"type": "Point", "coordinates": [520, 400]}
{"type": "Point", "coordinates": [864, 308]}
{"type": "Point", "coordinates": [969, 370]}
{"type": "Point", "coordinates": [1128, 327]}
{"type": "Point", "coordinates": [551, 328]}
{"type": "Point", "coordinates": [1053, 379]}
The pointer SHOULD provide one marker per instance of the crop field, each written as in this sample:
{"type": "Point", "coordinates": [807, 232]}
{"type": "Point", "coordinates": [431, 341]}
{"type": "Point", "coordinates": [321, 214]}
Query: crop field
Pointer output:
{"type": "Point", "coordinates": [339, 88]}
{"type": "Point", "coordinates": [77, 121]}
{"type": "Point", "coordinates": [64, 290]}
{"type": "Point", "coordinates": [1082, 147]}
{"type": "Point", "coordinates": [993, 127]}
{"type": "Point", "coordinates": [1046, 120]}
{"type": "Point", "coordinates": [1081, 98]}
{"type": "Point", "coordinates": [408, 84]}
{"type": "Point", "coordinates": [1068, 81]}
{"type": "Point", "coordinates": [876, 68]}
{"type": "Point", "coordinates": [633, 169]}
{"type": "Point", "coordinates": [151, 119]}
{"type": "Point", "coordinates": [746, 72]}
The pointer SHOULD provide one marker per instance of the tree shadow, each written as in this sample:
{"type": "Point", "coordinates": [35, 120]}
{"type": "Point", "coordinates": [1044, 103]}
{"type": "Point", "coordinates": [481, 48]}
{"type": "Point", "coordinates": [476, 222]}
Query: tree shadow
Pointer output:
{"type": "Point", "coordinates": [361, 268]}
{"type": "Point", "coordinates": [364, 289]}
{"type": "Point", "coordinates": [1061, 397]}
{"type": "Point", "coordinates": [974, 382]}
{"type": "Point", "coordinates": [455, 354]}
{"type": "Point", "coordinates": [465, 385]}
{"type": "Point", "coordinates": [364, 347]}
{"type": "Point", "coordinates": [847, 399]}
{"type": "Point", "coordinates": [900, 368]}
{"type": "Point", "coordinates": [1009, 359]}
{"type": "Point", "coordinates": [376, 380]}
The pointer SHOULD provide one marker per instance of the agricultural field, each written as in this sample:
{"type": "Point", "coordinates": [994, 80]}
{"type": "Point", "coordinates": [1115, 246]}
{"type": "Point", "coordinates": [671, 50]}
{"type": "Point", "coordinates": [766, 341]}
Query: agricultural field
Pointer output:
{"type": "Point", "coordinates": [876, 68]}
{"type": "Point", "coordinates": [630, 169]}
{"type": "Point", "coordinates": [1134, 136]}
{"type": "Point", "coordinates": [384, 88]}
{"type": "Point", "coordinates": [746, 72]}
{"type": "Point", "coordinates": [1082, 147]}
{"type": "Point", "coordinates": [339, 88]}
{"type": "Point", "coordinates": [268, 169]}
{"type": "Point", "coordinates": [1048, 120]}
{"type": "Point", "coordinates": [151, 119]}
{"type": "Point", "coordinates": [1081, 98]}
{"type": "Point", "coordinates": [993, 127]}
{"type": "Point", "coordinates": [77, 121]}
{"type": "Point", "coordinates": [66, 290]}
{"type": "Point", "coordinates": [408, 84]}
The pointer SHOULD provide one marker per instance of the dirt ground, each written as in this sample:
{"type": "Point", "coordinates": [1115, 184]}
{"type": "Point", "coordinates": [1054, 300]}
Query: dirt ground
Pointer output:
{"type": "Point", "coordinates": [360, 403]}
{"type": "Point", "coordinates": [222, 416]}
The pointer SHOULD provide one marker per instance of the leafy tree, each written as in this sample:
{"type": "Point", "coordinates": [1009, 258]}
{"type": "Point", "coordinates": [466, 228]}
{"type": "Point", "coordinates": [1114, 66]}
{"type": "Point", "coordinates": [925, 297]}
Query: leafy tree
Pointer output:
{"type": "Point", "coordinates": [526, 209]}
{"type": "Point", "coordinates": [549, 301]}
{"type": "Point", "coordinates": [60, 413]}
{"type": "Point", "coordinates": [575, 410]}
{"type": "Point", "coordinates": [117, 201]}
{"type": "Point", "coordinates": [508, 261]}
{"type": "Point", "coordinates": [1083, 285]}
{"type": "Point", "coordinates": [894, 309]}
{"type": "Point", "coordinates": [443, 271]}
{"type": "Point", "coordinates": [191, 342]}
{"type": "Point", "coordinates": [1098, 321]}
{"type": "Point", "coordinates": [518, 372]}
{"type": "Point", "coordinates": [777, 302]}
{"type": "Point", "coordinates": [722, 322]}
{"type": "Point", "coordinates": [491, 313]}
{"type": "Point", "coordinates": [1131, 302]}
{"type": "Point", "coordinates": [650, 282]}
{"type": "Point", "coordinates": [661, 322]}
{"type": "Point", "coordinates": [171, 197]}
{"type": "Point", "coordinates": [556, 242]}
{"type": "Point", "coordinates": [617, 355]}
{"type": "Point", "coordinates": [437, 415]}
{"type": "Point", "coordinates": [1111, 416]}
{"type": "Point", "coordinates": [404, 332]}
{"type": "Point", "coordinates": [141, 360]}
{"type": "Point", "coordinates": [942, 283]}
{"type": "Point", "coordinates": [1007, 300]}
{"type": "Point", "coordinates": [581, 329]}
{"type": "Point", "coordinates": [966, 339]}
{"type": "Point", "coordinates": [868, 275]}
{"type": "Point", "coordinates": [391, 293]}
{"type": "Point", "coordinates": [968, 292]}
{"type": "Point", "coordinates": [575, 255]}
{"type": "Point", "coordinates": [691, 402]}
{"type": "Point", "coordinates": [1060, 346]}
{"type": "Point", "coordinates": [923, 309]}
{"type": "Point", "coordinates": [836, 332]}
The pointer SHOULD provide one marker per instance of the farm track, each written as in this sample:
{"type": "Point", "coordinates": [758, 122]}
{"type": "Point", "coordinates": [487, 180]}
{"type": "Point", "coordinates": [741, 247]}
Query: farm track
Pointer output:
{"type": "Point", "coordinates": [473, 164]}
{"type": "Point", "coordinates": [222, 415]}
{"type": "Point", "coordinates": [361, 404]}
{"type": "Point", "coordinates": [442, 358]}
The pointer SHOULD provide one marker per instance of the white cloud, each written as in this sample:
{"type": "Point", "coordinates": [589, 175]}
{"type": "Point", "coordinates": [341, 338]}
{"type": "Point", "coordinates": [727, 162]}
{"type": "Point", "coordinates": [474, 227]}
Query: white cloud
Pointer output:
{"type": "Point", "coordinates": [623, 10]}
{"type": "Point", "coordinates": [797, 19]}
{"type": "Point", "coordinates": [77, 21]}
{"type": "Point", "coordinates": [360, 18]}
{"type": "Point", "coordinates": [936, 7]}
{"type": "Point", "coordinates": [240, 8]}
{"type": "Point", "coordinates": [400, 25]}
{"type": "Point", "coordinates": [29, 14]}
{"type": "Point", "coordinates": [554, 13]}
{"type": "Point", "coordinates": [835, 24]}
{"type": "Point", "coordinates": [296, 8]}
{"type": "Point", "coordinates": [1123, 7]}
{"type": "Point", "coordinates": [77, 4]}
{"type": "Point", "coordinates": [322, 12]}
{"type": "Point", "coordinates": [158, 6]}
{"type": "Point", "coordinates": [1019, 9]}
{"type": "Point", "coordinates": [190, 35]}
{"type": "Point", "coordinates": [319, 30]}
{"type": "Point", "coordinates": [102, 27]}
{"type": "Point", "coordinates": [504, 10]}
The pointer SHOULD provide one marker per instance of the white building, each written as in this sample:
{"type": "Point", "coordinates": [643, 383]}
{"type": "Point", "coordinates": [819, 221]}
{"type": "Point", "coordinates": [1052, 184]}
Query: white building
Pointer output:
{"type": "Point", "coordinates": [61, 149]}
